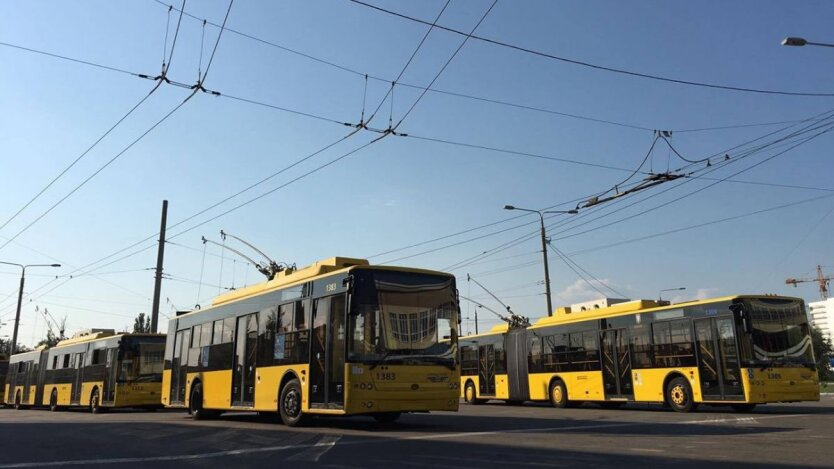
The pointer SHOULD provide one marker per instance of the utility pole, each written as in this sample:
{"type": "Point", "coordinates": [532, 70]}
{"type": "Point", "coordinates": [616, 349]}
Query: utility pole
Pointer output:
{"type": "Point", "coordinates": [544, 248]}
{"type": "Point", "coordinates": [821, 279]}
{"type": "Point", "coordinates": [159, 258]}
{"type": "Point", "coordinates": [13, 345]}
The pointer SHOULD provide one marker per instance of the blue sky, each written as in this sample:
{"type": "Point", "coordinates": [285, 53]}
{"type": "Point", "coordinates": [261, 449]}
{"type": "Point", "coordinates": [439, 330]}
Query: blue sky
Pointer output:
{"type": "Point", "coordinates": [403, 190]}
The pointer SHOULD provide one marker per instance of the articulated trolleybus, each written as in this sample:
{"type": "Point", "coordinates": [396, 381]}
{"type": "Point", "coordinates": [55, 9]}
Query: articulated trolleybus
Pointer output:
{"type": "Point", "coordinates": [339, 337]}
{"type": "Point", "coordinates": [97, 370]}
{"type": "Point", "coordinates": [738, 351]}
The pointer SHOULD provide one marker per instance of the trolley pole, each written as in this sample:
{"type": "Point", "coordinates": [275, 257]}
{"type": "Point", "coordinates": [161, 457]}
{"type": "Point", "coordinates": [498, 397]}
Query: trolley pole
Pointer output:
{"type": "Point", "coordinates": [159, 258]}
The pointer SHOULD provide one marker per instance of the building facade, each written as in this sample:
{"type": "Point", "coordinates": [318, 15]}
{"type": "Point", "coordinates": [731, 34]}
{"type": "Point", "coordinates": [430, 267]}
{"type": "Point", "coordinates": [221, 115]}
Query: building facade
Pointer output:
{"type": "Point", "coordinates": [822, 316]}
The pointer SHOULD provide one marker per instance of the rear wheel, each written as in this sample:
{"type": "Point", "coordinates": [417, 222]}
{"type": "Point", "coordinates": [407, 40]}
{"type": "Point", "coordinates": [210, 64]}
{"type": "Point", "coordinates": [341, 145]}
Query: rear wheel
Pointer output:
{"type": "Point", "coordinates": [53, 401]}
{"type": "Point", "coordinates": [745, 408]}
{"type": "Point", "coordinates": [387, 417]}
{"type": "Point", "coordinates": [469, 394]}
{"type": "Point", "coordinates": [289, 404]}
{"type": "Point", "coordinates": [559, 394]}
{"type": "Point", "coordinates": [195, 404]}
{"type": "Point", "coordinates": [679, 395]}
{"type": "Point", "coordinates": [94, 402]}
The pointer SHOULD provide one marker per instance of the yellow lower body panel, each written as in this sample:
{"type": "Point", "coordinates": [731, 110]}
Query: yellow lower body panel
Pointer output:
{"type": "Point", "coordinates": [648, 383]}
{"type": "Point", "coordinates": [781, 385]}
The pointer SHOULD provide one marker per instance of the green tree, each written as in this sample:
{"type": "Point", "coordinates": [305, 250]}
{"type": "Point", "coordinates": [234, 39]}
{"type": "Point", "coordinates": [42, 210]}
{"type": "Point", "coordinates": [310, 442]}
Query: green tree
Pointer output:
{"type": "Point", "coordinates": [823, 352]}
{"type": "Point", "coordinates": [142, 324]}
{"type": "Point", "coordinates": [5, 346]}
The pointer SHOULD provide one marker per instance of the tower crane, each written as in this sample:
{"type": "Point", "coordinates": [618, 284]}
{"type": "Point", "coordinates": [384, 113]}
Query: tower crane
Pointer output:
{"type": "Point", "coordinates": [821, 279]}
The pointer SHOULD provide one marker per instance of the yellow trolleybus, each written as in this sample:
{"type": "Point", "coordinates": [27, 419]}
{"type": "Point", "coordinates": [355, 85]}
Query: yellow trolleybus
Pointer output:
{"type": "Point", "coordinates": [339, 337]}
{"type": "Point", "coordinates": [738, 351]}
{"type": "Point", "coordinates": [4, 370]}
{"type": "Point", "coordinates": [97, 370]}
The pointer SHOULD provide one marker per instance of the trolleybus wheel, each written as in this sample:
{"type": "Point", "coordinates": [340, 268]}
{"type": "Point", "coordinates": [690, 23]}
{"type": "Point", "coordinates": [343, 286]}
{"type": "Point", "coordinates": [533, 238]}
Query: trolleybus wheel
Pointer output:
{"type": "Point", "coordinates": [17, 401]}
{"type": "Point", "coordinates": [679, 395]}
{"type": "Point", "coordinates": [743, 407]}
{"type": "Point", "coordinates": [195, 404]}
{"type": "Point", "coordinates": [559, 394]}
{"type": "Point", "coordinates": [53, 401]}
{"type": "Point", "coordinates": [94, 402]}
{"type": "Point", "coordinates": [289, 404]}
{"type": "Point", "coordinates": [387, 417]}
{"type": "Point", "coordinates": [469, 394]}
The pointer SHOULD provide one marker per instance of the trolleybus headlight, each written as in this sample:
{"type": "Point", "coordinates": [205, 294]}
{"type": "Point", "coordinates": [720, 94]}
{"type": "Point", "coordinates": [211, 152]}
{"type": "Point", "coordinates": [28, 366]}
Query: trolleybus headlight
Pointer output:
{"type": "Point", "coordinates": [362, 386]}
{"type": "Point", "coordinates": [370, 386]}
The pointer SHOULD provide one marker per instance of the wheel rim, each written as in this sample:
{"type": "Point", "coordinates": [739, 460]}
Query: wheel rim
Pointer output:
{"type": "Point", "coordinates": [470, 393]}
{"type": "Point", "coordinates": [557, 394]}
{"type": "Point", "coordinates": [678, 395]}
{"type": "Point", "coordinates": [292, 403]}
{"type": "Point", "coordinates": [94, 401]}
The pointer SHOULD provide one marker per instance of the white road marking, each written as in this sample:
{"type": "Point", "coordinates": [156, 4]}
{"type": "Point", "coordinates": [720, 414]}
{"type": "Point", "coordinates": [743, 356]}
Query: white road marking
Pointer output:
{"type": "Point", "coordinates": [317, 450]}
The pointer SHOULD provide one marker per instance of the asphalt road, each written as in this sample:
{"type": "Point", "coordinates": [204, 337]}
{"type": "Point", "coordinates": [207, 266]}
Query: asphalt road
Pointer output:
{"type": "Point", "coordinates": [489, 436]}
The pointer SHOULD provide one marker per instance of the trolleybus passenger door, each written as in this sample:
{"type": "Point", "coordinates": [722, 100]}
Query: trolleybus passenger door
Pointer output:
{"type": "Point", "coordinates": [486, 370]}
{"type": "Point", "coordinates": [327, 353]}
{"type": "Point", "coordinates": [246, 347]}
{"type": "Point", "coordinates": [718, 365]}
{"type": "Point", "coordinates": [179, 364]}
{"type": "Point", "coordinates": [318, 352]}
{"type": "Point", "coordinates": [79, 378]}
{"type": "Point", "coordinates": [111, 370]}
{"type": "Point", "coordinates": [336, 353]}
{"type": "Point", "coordinates": [616, 364]}
{"type": "Point", "coordinates": [27, 380]}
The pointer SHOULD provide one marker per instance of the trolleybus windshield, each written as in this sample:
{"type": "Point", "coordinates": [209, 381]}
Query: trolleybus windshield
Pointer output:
{"type": "Point", "coordinates": [402, 318]}
{"type": "Point", "coordinates": [141, 359]}
{"type": "Point", "coordinates": [780, 332]}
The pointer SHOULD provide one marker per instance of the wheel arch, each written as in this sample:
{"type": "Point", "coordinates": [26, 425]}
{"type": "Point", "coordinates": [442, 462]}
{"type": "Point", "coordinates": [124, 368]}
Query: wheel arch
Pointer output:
{"type": "Point", "coordinates": [669, 377]}
{"type": "Point", "coordinates": [554, 379]}
{"type": "Point", "coordinates": [194, 384]}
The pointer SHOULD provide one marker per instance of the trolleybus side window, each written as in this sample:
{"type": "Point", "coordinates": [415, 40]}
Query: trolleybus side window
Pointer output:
{"type": "Point", "coordinates": [641, 345]}
{"type": "Point", "coordinates": [469, 360]}
{"type": "Point", "coordinates": [673, 343]}
{"type": "Point", "coordinates": [217, 337]}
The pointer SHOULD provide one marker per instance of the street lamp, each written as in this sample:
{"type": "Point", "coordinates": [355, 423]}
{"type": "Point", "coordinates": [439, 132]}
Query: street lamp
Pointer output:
{"type": "Point", "coordinates": [799, 42]}
{"type": "Point", "coordinates": [660, 293]}
{"type": "Point", "coordinates": [13, 345]}
{"type": "Point", "coordinates": [544, 248]}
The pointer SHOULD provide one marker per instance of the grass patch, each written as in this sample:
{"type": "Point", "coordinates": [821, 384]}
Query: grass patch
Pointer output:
{"type": "Point", "coordinates": [827, 387]}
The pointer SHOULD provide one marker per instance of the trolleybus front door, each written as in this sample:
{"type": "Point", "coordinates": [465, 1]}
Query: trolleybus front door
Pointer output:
{"type": "Point", "coordinates": [179, 366]}
{"type": "Point", "coordinates": [246, 347]}
{"type": "Point", "coordinates": [79, 378]}
{"type": "Point", "coordinates": [327, 348]}
{"type": "Point", "coordinates": [616, 365]}
{"type": "Point", "coordinates": [111, 370]}
{"type": "Point", "coordinates": [486, 370]}
{"type": "Point", "coordinates": [718, 364]}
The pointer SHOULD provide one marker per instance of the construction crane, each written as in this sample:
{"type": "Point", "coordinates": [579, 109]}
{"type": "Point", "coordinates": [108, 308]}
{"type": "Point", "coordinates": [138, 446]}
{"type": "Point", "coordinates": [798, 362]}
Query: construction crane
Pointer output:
{"type": "Point", "coordinates": [821, 279]}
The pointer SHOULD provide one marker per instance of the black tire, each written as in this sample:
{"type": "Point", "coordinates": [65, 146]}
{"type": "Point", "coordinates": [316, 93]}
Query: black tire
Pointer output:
{"type": "Point", "coordinates": [17, 401]}
{"type": "Point", "coordinates": [559, 395]}
{"type": "Point", "coordinates": [387, 417]}
{"type": "Point", "coordinates": [195, 404]}
{"type": "Point", "coordinates": [743, 408]}
{"type": "Point", "coordinates": [95, 402]}
{"type": "Point", "coordinates": [53, 401]}
{"type": "Point", "coordinates": [679, 395]}
{"type": "Point", "coordinates": [289, 404]}
{"type": "Point", "coordinates": [470, 395]}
